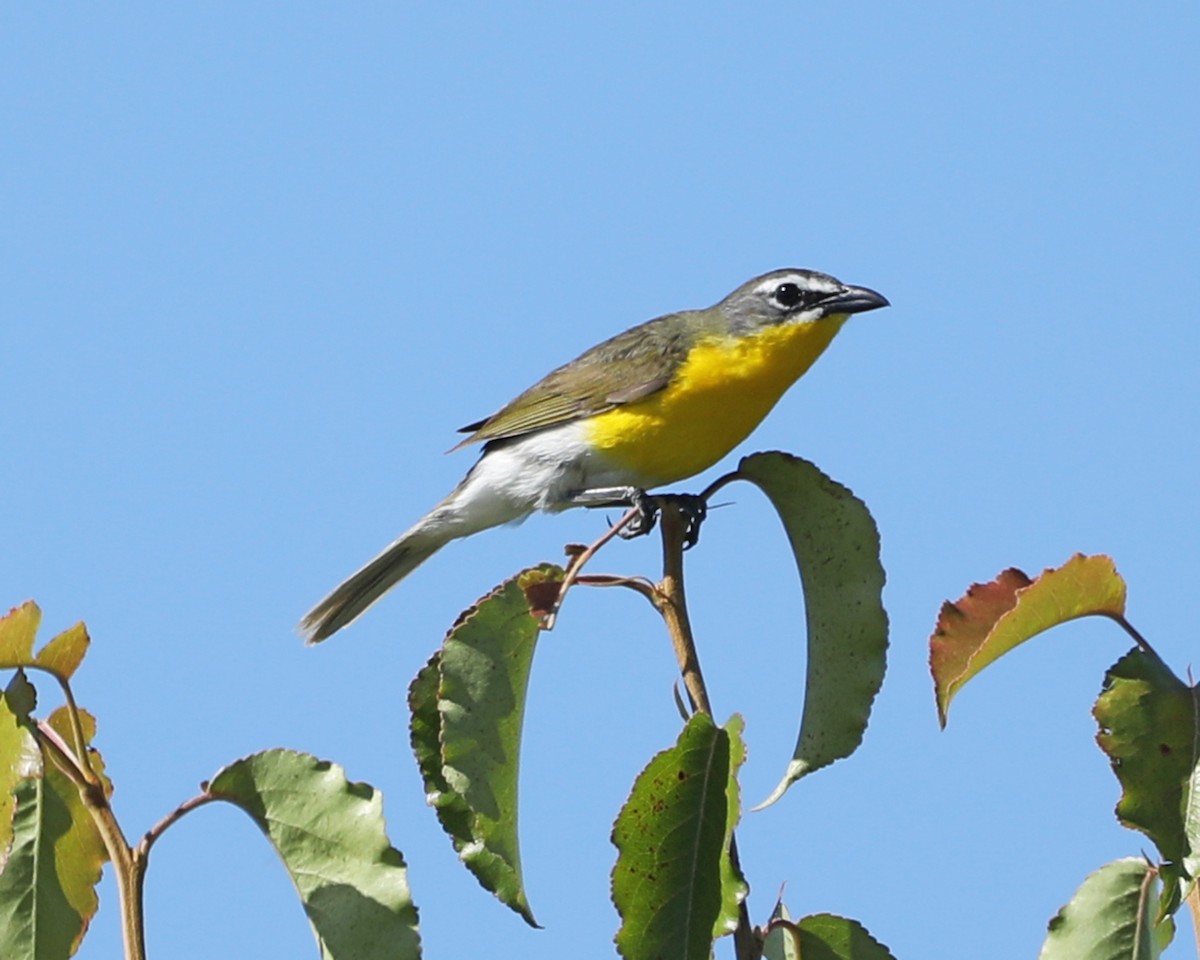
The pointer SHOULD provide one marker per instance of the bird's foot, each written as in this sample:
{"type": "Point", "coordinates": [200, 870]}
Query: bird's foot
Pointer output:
{"type": "Point", "coordinates": [694, 508]}
{"type": "Point", "coordinates": [643, 521]}
{"type": "Point", "coordinates": [647, 507]}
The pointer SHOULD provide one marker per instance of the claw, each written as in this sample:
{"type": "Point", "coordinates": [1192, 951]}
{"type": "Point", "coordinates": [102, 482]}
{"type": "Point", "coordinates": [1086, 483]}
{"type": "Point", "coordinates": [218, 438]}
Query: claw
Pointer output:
{"type": "Point", "coordinates": [694, 507]}
{"type": "Point", "coordinates": [696, 510]}
{"type": "Point", "coordinates": [647, 516]}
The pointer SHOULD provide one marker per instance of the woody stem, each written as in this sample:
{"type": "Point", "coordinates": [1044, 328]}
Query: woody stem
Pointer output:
{"type": "Point", "coordinates": [672, 604]}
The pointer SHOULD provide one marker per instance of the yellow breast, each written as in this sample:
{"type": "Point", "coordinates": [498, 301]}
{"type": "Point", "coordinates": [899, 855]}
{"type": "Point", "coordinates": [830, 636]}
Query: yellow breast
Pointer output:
{"type": "Point", "coordinates": [716, 398]}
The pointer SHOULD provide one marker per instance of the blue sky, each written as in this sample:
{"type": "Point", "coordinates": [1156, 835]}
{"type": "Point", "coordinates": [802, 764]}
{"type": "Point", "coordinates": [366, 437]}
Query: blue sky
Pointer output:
{"type": "Point", "coordinates": [258, 262]}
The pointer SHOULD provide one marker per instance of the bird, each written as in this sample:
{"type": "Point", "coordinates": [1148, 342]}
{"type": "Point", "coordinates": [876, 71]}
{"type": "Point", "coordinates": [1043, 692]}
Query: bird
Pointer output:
{"type": "Point", "coordinates": [654, 405]}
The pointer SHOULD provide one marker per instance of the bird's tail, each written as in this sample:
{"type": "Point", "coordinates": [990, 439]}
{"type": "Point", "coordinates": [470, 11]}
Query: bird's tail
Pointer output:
{"type": "Point", "coordinates": [479, 502]}
{"type": "Point", "coordinates": [348, 601]}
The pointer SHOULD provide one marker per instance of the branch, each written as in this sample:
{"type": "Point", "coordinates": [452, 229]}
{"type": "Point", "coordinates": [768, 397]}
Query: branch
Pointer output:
{"type": "Point", "coordinates": [128, 865]}
{"type": "Point", "coordinates": [672, 604]}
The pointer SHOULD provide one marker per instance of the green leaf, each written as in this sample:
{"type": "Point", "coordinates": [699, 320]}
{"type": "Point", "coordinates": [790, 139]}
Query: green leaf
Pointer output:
{"type": "Point", "coordinates": [48, 884]}
{"type": "Point", "coordinates": [993, 618]}
{"type": "Point", "coordinates": [782, 941]}
{"type": "Point", "coordinates": [19, 760]}
{"type": "Point", "coordinates": [17, 631]}
{"type": "Point", "coordinates": [60, 721]}
{"type": "Point", "coordinates": [330, 835]}
{"type": "Point", "coordinates": [1191, 806]}
{"type": "Point", "coordinates": [453, 813]}
{"type": "Point", "coordinates": [425, 731]}
{"type": "Point", "coordinates": [483, 678]}
{"type": "Point", "coordinates": [37, 921]}
{"type": "Point", "coordinates": [670, 837]}
{"type": "Point", "coordinates": [1147, 719]}
{"type": "Point", "coordinates": [836, 546]}
{"type": "Point", "coordinates": [21, 696]}
{"type": "Point", "coordinates": [61, 656]}
{"type": "Point", "coordinates": [1111, 917]}
{"type": "Point", "coordinates": [734, 888]}
{"type": "Point", "coordinates": [80, 854]}
{"type": "Point", "coordinates": [822, 936]}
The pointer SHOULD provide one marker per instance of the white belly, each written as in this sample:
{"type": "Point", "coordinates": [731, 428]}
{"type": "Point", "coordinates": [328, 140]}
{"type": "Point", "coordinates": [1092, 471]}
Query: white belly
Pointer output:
{"type": "Point", "coordinates": [540, 471]}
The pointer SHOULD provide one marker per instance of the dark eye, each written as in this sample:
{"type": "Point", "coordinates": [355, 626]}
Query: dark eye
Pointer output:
{"type": "Point", "coordinates": [788, 295]}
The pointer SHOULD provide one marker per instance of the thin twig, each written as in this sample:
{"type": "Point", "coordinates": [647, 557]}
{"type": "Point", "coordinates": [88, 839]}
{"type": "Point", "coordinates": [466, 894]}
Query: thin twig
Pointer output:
{"type": "Point", "coordinates": [1137, 637]}
{"type": "Point", "coordinates": [638, 584]}
{"type": "Point", "coordinates": [578, 561]}
{"type": "Point", "coordinates": [83, 761]}
{"type": "Point", "coordinates": [81, 748]}
{"type": "Point", "coordinates": [61, 754]}
{"type": "Point", "coordinates": [159, 828]}
{"type": "Point", "coordinates": [723, 481]}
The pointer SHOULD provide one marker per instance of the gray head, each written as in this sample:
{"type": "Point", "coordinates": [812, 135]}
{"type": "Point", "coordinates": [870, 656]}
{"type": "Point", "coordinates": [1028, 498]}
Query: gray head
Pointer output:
{"type": "Point", "coordinates": [794, 296]}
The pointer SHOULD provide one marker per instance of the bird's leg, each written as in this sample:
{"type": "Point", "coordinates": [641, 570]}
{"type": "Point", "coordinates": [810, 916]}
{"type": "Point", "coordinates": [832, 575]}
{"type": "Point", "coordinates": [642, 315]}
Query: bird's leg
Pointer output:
{"type": "Point", "coordinates": [694, 507]}
{"type": "Point", "coordinates": [646, 505]}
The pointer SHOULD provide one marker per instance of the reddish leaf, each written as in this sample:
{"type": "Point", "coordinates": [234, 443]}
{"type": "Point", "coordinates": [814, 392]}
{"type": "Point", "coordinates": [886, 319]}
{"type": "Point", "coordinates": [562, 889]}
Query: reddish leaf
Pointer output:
{"type": "Point", "coordinates": [542, 595]}
{"type": "Point", "coordinates": [964, 625]}
{"type": "Point", "coordinates": [995, 617]}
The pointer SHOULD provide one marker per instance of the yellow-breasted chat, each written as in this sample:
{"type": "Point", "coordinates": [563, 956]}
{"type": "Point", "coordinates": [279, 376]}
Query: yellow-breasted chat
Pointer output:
{"type": "Point", "coordinates": [653, 405]}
